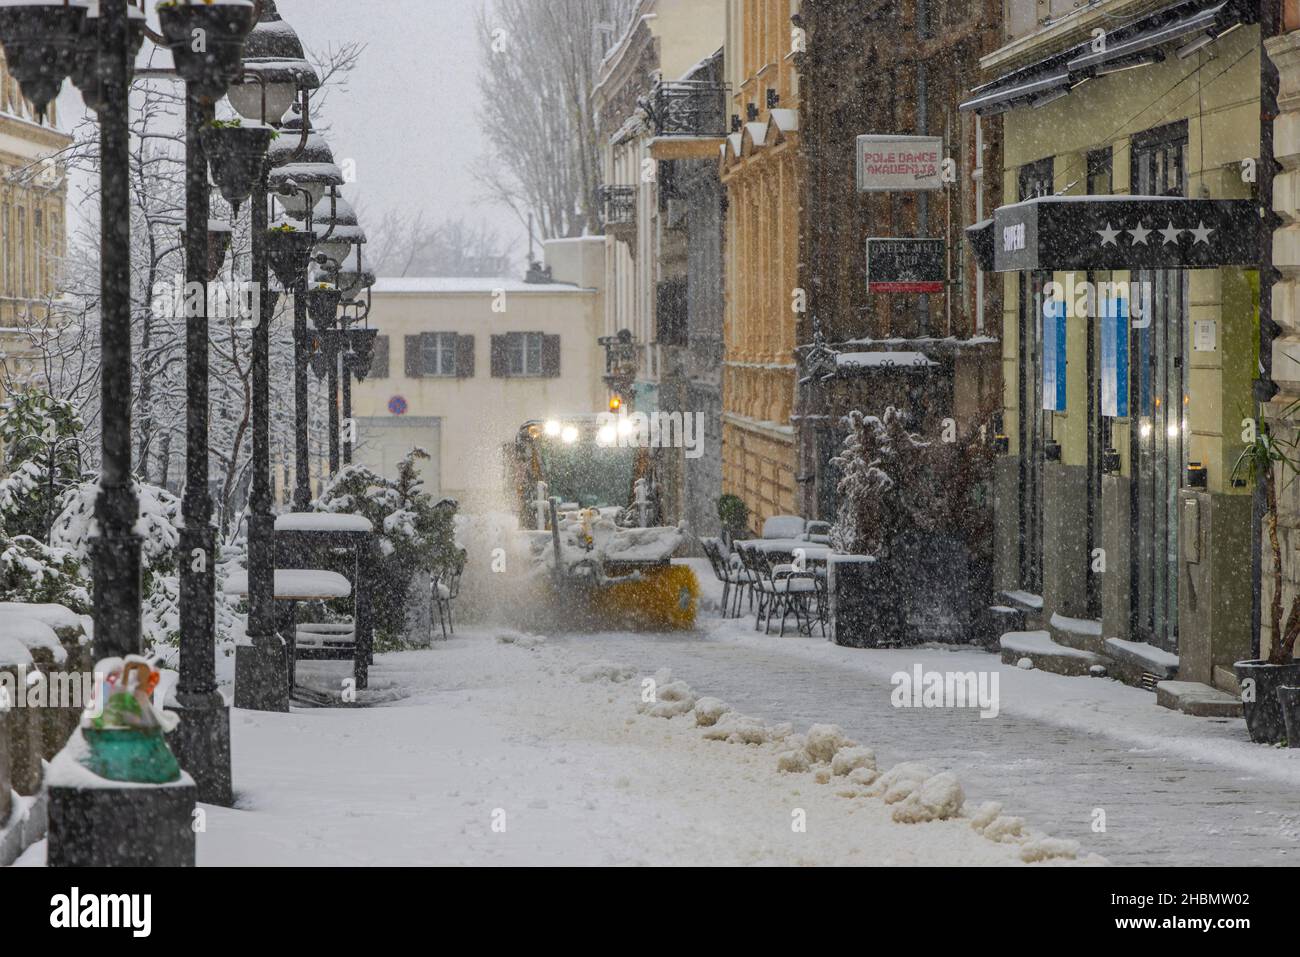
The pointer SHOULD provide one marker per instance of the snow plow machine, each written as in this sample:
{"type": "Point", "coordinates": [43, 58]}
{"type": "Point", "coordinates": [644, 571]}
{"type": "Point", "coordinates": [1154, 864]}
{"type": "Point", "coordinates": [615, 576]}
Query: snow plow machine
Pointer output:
{"type": "Point", "coordinates": [589, 506]}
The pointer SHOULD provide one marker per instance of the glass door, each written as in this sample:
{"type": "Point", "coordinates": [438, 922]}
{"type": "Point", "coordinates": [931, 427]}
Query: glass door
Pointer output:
{"type": "Point", "coordinates": [1035, 424]}
{"type": "Point", "coordinates": [1159, 368]}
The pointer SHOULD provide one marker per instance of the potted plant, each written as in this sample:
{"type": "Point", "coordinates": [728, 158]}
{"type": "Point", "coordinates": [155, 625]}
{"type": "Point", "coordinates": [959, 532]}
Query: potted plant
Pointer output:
{"type": "Point", "coordinates": [41, 40]}
{"type": "Point", "coordinates": [206, 38]}
{"type": "Point", "coordinates": [288, 252]}
{"type": "Point", "coordinates": [1262, 679]}
{"type": "Point", "coordinates": [323, 305]}
{"type": "Point", "coordinates": [733, 513]}
{"type": "Point", "coordinates": [236, 154]}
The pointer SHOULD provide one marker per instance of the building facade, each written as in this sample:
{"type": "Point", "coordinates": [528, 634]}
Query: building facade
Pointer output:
{"type": "Point", "coordinates": [33, 204]}
{"type": "Point", "coordinates": [762, 170]}
{"type": "Point", "coordinates": [661, 117]}
{"type": "Point", "coordinates": [850, 47]}
{"type": "Point", "coordinates": [461, 364]}
{"type": "Point", "coordinates": [1130, 131]}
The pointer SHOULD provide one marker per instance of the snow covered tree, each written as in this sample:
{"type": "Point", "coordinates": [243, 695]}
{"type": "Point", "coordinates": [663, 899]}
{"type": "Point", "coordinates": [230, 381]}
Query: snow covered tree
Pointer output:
{"type": "Point", "coordinates": [415, 533]}
{"type": "Point", "coordinates": [41, 438]}
{"type": "Point", "coordinates": [886, 484]}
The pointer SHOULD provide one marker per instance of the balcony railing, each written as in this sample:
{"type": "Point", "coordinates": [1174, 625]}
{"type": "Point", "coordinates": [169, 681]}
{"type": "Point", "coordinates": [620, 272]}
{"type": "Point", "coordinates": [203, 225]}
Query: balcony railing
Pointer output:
{"type": "Point", "coordinates": [689, 108]}
{"type": "Point", "coordinates": [618, 205]}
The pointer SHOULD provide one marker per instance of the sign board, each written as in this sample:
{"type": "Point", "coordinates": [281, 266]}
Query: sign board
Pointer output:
{"type": "Point", "coordinates": [397, 405]}
{"type": "Point", "coordinates": [892, 164]}
{"type": "Point", "coordinates": [1081, 233]}
{"type": "Point", "coordinates": [1114, 359]}
{"type": "Point", "coordinates": [1054, 360]}
{"type": "Point", "coordinates": [1205, 335]}
{"type": "Point", "coordinates": [905, 265]}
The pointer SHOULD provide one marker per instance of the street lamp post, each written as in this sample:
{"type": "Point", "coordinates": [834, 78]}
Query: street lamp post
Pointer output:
{"type": "Point", "coordinates": [274, 60]}
{"type": "Point", "coordinates": [202, 740]}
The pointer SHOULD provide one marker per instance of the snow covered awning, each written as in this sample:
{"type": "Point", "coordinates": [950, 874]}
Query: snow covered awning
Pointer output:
{"type": "Point", "coordinates": [1079, 233]}
{"type": "Point", "coordinates": [905, 361]}
{"type": "Point", "coordinates": [1191, 24]}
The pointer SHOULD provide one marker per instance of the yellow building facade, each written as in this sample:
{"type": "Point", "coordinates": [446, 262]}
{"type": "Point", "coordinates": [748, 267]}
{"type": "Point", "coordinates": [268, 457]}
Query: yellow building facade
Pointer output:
{"type": "Point", "coordinates": [33, 200]}
{"type": "Point", "coordinates": [762, 170]}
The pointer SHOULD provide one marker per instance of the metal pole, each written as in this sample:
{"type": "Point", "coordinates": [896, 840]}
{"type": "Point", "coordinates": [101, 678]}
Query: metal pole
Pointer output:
{"type": "Point", "coordinates": [202, 739]}
{"type": "Point", "coordinates": [333, 354]}
{"type": "Point", "coordinates": [302, 488]}
{"type": "Point", "coordinates": [117, 548]}
{"type": "Point", "coordinates": [197, 541]}
{"type": "Point", "coordinates": [348, 426]}
{"type": "Point", "coordinates": [261, 666]}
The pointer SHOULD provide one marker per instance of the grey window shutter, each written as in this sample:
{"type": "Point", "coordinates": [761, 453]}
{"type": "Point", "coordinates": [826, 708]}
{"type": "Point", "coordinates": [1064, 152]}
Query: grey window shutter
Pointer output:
{"type": "Point", "coordinates": [464, 357]}
{"type": "Point", "coordinates": [551, 356]}
{"type": "Point", "coordinates": [414, 357]}
{"type": "Point", "coordinates": [500, 357]}
{"type": "Point", "coordinates": [428, 357]}
{"type": "Point", "coordinates": [379, 364]}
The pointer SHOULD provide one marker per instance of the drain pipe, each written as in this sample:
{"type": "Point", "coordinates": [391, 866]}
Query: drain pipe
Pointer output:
{"type": "Point", "coordinates": [1265, 387]}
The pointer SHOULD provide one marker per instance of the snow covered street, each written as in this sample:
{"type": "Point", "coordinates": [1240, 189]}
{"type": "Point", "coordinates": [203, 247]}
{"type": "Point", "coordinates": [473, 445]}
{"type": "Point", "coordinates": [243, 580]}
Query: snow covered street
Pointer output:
{"type": "Point", "coordinates": [508, 733]}
{"type": "Point", "coordinates": [486, 727]}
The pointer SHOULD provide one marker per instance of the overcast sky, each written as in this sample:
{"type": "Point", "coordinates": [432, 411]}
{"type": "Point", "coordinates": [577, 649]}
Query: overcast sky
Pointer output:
{"type": "Point", "coordinates": [409, 118]}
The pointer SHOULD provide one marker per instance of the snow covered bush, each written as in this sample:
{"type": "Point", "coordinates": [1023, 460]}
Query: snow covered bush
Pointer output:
{"type": "Point", "coordinates": [35, 573]}
{"type": "Point", "coordinates": [159, 527]}
{"type": "Point", "coordinates": [415, 533]}
{"type": "Point", "coordinates": [41, 438]}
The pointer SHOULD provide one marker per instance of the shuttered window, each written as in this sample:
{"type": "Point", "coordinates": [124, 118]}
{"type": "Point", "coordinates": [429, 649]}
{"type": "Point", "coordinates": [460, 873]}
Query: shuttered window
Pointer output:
{"type": "Point", "coordinates": [521, 355]}
{"type": "Point", "coordinates": [439, 355]}
{"type": "Point", "coordinates": [379, 365]}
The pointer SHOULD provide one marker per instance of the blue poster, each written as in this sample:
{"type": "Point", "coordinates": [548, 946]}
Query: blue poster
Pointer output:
{"type": "Point", "coordinates": [1054, 360]}
{"type": "Point", "coordinates": [1114, 358]}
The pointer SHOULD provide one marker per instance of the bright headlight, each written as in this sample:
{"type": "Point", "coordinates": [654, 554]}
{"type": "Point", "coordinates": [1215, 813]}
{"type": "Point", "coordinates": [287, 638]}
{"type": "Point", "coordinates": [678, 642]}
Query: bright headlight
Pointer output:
{"type": "Point", "coordinates": [569, 435]}
{"type": "Point", "coordinates": [552, 428]}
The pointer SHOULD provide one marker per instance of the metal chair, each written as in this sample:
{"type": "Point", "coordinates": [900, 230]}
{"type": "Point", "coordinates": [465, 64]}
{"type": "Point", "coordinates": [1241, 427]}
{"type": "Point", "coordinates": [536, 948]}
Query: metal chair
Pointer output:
{"type": "Point", "coordinates": [728, 570]}
{"type": "Point", "coordinates": [445, 588]}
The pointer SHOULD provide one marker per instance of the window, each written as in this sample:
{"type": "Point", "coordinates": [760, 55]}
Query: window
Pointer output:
{"type": "Point", "coordinates": [379, 365]}
{"type": "Point", "coordinates": [525, 353]}
{"type": "Point", "coordinates": [438, 353]}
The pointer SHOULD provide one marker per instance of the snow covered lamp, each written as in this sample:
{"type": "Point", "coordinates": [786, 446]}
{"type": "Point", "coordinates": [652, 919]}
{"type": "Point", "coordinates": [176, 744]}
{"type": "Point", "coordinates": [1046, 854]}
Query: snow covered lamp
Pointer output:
{"type": "Point", "coordinates": [41, 39]}
{"type": "Point", "coordinates": [301, 180]}
{"type": "Point", "coordinates": [211, 66]}
{"type": "Point", "coordinates": [275, 69]}
{"type": "Point", "coordinates": [85, 65]}
{"type": "Point", "coordinates": [337, 230]}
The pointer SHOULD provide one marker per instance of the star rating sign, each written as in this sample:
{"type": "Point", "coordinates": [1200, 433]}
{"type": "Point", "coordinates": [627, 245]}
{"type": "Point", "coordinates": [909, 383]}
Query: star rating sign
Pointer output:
{"type": "Point", "coordinates": [1171, 234]}
{"type": "Point", "coordinates": [1202, 233]}
{"type": "Point", "coordinates": [1139, 235]}
{"type": "Point", "coordinates": [1108, 236]}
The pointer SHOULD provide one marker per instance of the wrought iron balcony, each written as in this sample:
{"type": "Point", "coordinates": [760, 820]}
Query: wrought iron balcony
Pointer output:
{"type": "Point", "coordinates": [689, 108]}
{"type": "Point", "coordinates": [618, 205]}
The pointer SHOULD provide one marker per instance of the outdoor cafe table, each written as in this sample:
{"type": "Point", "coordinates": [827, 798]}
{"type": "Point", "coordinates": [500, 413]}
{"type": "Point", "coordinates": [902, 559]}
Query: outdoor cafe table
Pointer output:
{"type": "Point", "coordinates": [814, 553]}
{"type": "Point", "coordinates": [293, 585]}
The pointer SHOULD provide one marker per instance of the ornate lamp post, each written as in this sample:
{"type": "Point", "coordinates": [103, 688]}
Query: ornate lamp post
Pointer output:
{"type": "Point", "coordinates": [45, 40]}
{"type": "Point", "coordinates": [301, 178]}
{"type": "Point", "coordinates": [280, 74]}
{"type": "Point", "coordinates": [339, 231]}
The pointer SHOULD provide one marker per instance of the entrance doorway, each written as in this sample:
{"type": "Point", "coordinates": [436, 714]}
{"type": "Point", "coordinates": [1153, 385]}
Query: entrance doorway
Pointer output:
{"type": "Point", "coordinates": [1159, 432]}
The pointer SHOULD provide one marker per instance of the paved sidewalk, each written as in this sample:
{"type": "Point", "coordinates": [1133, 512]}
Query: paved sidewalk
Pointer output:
{"type": "Point", "coordinates": [1176, 790]}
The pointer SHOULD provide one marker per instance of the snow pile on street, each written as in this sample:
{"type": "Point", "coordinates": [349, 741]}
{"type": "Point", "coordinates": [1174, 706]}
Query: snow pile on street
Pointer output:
{"type": "Point", "coordinates": [521, 638]}
{"type": "Point", "coordinates": [917, 793]}
{"type": "Point", "coordinates": [604, 671]}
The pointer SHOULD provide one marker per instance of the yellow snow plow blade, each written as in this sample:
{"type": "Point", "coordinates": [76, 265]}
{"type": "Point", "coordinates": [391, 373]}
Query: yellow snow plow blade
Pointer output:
{"type": "Point", "coordinates": [665, 599]}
